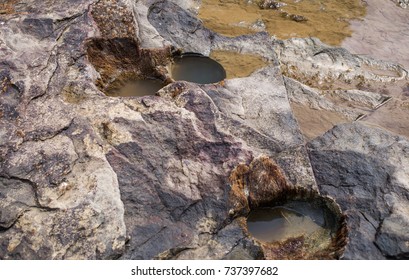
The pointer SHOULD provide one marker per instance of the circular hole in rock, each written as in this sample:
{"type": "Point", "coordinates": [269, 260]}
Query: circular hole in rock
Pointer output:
{"type": "Point", "coordinates": [136, 88]}
{"type": "Point", "coordinates": [285, 221]}
{"type": "Point", "coordinates": [314, 221]}
{"type": "Point", "coordinates": [197, 68]}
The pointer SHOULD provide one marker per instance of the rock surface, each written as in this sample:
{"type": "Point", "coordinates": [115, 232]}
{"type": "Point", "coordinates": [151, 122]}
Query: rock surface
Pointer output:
{"type": "Point", "coordinates": [376, 34]}
{"type": "Point", "coordinates": [341, 87]}
{"type": "Point", "coordinates": [87, 176]}
{"type": "Point", "coordinates": [365, 170]}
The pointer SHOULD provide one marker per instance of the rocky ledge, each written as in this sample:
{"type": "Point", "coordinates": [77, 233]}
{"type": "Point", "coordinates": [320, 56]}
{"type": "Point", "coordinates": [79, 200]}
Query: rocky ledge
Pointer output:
{"type": "Point", "coordinates": [88, 176]}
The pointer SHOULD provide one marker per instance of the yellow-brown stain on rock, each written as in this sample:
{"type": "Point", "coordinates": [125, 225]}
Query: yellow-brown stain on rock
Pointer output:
{"type": "Point", "coordinates": [7, 7]}
{"type": "Point", "coordinates": [238, 65]}
{"type": "Point", "coordinates": [327, 20]}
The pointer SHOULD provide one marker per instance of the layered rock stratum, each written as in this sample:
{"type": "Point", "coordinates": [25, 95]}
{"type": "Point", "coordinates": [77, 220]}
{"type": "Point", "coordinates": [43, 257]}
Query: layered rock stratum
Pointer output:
{"type": "Point", "coordinates": [88, 176]}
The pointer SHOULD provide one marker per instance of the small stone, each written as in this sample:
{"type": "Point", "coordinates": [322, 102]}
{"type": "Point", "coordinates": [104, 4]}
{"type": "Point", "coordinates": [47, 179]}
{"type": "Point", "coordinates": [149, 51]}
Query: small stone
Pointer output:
{"type": "Point", "coordinates": [271, 4]}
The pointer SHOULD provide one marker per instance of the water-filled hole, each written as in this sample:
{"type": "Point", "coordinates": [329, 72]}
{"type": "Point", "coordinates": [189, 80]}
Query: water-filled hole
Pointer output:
{"type": "Point", "coordinates": [136, 88]}
{"type": "Point", "coordinates": [196, 68]}
{"type": "Point", "coordinates": [294, 219]}
{"type": "Point", "coordinates": [286, 221]}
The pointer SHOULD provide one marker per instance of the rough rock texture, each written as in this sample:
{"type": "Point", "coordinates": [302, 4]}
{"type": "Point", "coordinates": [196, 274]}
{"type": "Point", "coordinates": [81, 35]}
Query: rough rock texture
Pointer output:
{"type": "Point", "coordinates": [59, 195]}
{"type": "Point", "coordinates": [328, 86]}
{"type": "Point", "coordinates": [87, 176]}
{"type": "Point", "coordinates": [73, 160]}
{"type": "Point", "coordinates": [365, 170]}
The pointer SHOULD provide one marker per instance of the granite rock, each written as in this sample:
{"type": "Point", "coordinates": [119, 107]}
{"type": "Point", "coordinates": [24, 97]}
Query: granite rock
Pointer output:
{"type": "Point", "coordinates": [364, 169]}
{"type": "Point", "coordinates": [87, 176]}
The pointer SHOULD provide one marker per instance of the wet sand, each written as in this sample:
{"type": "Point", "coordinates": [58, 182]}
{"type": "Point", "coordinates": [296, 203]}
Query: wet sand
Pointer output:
{"type": "Point", "coordinates": [327, 20]}
{"type": "Point", "coordinates": [382, 34]}
{"type": "Point", "coordinates": [314, 123]}
{"type": "Point", "coordinates": [238, 65]}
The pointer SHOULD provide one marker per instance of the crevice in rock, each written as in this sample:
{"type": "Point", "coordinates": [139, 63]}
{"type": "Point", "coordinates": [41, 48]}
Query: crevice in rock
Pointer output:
{"type": "Point", "coordinates": [48, 135]}
{"type": "Point", "coordinates": [151, 237]}
{"type": "Point", "coordinates": [237, 243]}
{"type": "Point", "coordinates": [366, 218]}
{"type": "Point", "coordinates": [34, 187]}
{"type": "Point", "coordinates": [189, 207]}
{"type": "Point", "coordinates": [172, 253]}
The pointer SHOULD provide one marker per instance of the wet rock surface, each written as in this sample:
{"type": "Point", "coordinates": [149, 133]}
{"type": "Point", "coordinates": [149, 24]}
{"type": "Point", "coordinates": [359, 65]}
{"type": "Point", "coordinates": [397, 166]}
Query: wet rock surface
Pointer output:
{"type": "Point", "coordinates": [87, 176]}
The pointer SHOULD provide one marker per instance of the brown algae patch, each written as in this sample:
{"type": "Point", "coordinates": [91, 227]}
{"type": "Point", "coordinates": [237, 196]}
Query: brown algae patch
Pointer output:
{"type": "Point", "coordinates": [238, 65]}
{"type": "Point", "coordinates": [327, 20]}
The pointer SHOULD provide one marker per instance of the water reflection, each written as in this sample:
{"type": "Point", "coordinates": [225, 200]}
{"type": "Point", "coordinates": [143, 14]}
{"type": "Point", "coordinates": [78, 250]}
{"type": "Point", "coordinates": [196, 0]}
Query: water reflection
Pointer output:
{"type": "Point", "coordinates": [137, 88]}
{"type": "Point", "coordinates": [280, 223]}
{"type": "Point", "coordinates": [197, 68]}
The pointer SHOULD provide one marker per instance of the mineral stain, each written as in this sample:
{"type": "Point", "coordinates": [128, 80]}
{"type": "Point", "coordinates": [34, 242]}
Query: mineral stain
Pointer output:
{"type": "Point", "coordinates": [327, 20]}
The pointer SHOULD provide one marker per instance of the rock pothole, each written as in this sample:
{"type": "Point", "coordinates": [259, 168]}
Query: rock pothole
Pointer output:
{"type": "Point", "coordinates": [289, 222]}
{"type": "Point", "coordinates": [127, 70]}
{"type": "Point", "coordinates": [197, 68]}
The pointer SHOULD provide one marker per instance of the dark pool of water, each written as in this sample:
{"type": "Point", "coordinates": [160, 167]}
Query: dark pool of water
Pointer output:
{"type": "Point", "coordinates": [279, 223]}
{"type": "Point", "coordinates": [137, 88]}
{"type": "Point", "coordinates": [197, 69]}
